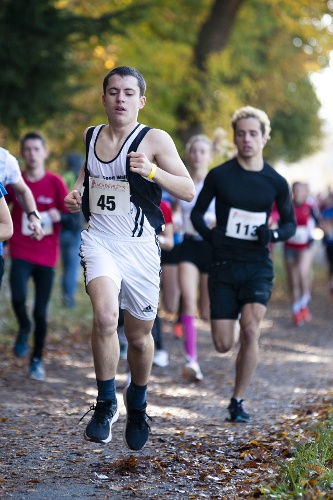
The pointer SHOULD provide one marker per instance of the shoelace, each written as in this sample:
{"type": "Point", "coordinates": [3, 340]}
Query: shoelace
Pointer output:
{"type": "Point", "coordinates": [102, 412]}
{"type": "Point", "coordinates": [139, 419]}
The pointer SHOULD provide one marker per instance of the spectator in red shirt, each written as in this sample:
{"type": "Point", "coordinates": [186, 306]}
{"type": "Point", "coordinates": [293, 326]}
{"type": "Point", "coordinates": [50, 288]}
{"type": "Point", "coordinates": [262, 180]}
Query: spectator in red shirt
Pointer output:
{"type": "Point", "coordinates": [31, 258]}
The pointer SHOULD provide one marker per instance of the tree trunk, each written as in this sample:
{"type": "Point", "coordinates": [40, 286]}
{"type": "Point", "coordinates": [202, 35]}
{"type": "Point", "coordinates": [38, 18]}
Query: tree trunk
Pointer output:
{"type": "Point", "coordinates": [213, 37]}
{"type": "Point", "coordinates": [215, 32]}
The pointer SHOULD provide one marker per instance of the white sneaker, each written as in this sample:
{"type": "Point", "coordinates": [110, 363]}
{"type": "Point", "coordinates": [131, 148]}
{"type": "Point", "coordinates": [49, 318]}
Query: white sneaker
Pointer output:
{"type": "Point", "coordinates": [161, 358]}
{"type": "Point", "coordinates": [192, 371]}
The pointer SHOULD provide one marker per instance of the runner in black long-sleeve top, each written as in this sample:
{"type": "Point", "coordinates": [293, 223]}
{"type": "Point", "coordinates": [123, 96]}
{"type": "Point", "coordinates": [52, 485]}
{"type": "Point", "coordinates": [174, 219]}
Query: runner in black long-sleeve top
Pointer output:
{"type": "Point", "coordinates": [241, 276]}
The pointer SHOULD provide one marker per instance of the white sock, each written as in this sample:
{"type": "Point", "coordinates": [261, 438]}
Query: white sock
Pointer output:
{"type": "Point", "coordinates": [297, 306]}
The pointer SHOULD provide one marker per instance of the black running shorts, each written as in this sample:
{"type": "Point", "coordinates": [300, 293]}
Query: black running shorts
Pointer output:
{"type": "Point", "coordinates": [171, 257]}
{"type": "Point", "coordinates": [233, 284]}
{"type": "Point", "coordinates": [198, 252]}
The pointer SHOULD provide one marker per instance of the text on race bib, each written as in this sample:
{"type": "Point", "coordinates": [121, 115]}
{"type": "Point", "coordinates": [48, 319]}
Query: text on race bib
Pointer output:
{"type": "Point", "coordinates": [243, 224]}
{"type": "Point", "coordinates": [109, 197]}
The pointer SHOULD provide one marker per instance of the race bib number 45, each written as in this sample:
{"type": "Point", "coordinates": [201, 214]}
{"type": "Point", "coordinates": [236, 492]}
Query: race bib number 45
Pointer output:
{"type": "Point", "coordinates": [243, 224]}
{"type": "Point", "coordinates": [109, 197]}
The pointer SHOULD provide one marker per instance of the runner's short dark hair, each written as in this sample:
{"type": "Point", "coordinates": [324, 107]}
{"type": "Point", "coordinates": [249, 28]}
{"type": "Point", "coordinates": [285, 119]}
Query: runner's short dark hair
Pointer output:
{"type": "Point", "coordinates": [126, 71]}
{"type": "Point", "coordinates": [32, 135]}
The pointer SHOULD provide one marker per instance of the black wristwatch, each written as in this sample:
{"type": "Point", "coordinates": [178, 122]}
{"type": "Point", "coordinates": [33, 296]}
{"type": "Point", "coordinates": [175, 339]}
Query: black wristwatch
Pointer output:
{"type": "Point", "coordinates": [275, 235]}
{"type": "Point", "coordinates": [35, 213]}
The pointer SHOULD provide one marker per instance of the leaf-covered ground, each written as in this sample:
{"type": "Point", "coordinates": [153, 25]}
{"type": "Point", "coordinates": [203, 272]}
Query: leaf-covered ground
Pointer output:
{"type": "Point", "coordinates": [193, 452]}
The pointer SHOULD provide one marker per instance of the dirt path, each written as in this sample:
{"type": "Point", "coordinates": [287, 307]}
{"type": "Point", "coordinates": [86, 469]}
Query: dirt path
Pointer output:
{"type": "Point", "coordinates": [193, 451]}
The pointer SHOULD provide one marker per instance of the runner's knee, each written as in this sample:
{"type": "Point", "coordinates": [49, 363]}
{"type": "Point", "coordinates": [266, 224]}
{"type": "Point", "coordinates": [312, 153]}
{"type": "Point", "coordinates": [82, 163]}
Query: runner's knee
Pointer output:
{"type": "Point", "coordinates": [249, 333]}
{"type": "Point", "coordinates": [106, 321]}
{"type": "Point", "coordinates": [223, 343]}
{"type": "Point", "coordinates": [139, 343]}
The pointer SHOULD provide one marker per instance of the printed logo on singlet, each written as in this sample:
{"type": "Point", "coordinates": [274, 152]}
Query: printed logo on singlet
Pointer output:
{"type": "Point", "coordinates": [115, 177]}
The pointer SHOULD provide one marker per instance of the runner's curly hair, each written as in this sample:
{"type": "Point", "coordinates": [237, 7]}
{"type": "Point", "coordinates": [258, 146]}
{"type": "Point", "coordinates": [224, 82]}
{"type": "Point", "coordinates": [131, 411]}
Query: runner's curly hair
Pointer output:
{"type": "Point", "coordinates": [250, 112]}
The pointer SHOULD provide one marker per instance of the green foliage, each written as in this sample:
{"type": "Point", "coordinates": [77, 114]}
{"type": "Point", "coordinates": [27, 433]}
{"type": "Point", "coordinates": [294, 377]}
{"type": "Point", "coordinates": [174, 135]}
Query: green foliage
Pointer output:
{"type": "Point", "coordinates": [35, 59]}
{"type": "Point", "coordinates": [294, 122]}
{"type": "Point", "coordinates": [38, 43]}
{"type": "Point", "coordinates": [262, 67]}
{"type": "Point", "coordinates": [54, 56]}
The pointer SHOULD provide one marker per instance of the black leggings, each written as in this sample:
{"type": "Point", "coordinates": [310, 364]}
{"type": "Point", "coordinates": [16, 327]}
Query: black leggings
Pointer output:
{"type": "Point", "coordinates": [42, 276]}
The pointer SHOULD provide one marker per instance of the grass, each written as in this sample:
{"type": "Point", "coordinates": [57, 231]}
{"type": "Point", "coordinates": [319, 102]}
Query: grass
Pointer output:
{"type": "Point", "coordinates": [308, 474]}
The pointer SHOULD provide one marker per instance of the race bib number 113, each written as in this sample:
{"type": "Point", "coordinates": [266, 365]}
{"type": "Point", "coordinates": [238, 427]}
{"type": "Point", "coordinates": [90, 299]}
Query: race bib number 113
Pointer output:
{"type": "Point", "coordinates": [243, 224]}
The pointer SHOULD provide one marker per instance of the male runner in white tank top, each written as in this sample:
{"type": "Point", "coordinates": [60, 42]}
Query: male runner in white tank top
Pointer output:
{"type": "Point", "coordinates": [119, 250]}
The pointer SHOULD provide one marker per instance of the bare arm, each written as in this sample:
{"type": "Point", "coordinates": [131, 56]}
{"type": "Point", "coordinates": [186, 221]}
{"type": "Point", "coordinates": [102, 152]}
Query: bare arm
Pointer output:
{"type": "Point", "coordinates": [171, 173]}
{"type": "Point", "coordinates": [24, 196]}
{"type": "Point", "coordinates": [27, 201]}
{"type": "Point", "coordinates": [6, 223]}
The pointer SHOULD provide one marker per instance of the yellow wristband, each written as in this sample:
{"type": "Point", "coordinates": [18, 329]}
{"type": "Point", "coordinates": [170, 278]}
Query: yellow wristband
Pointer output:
{"type": "Point", "coordinates": [152, 172]}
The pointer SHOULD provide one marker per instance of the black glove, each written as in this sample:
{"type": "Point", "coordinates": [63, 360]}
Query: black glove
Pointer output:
{"type": "Point", "coordinates": [265, 235]}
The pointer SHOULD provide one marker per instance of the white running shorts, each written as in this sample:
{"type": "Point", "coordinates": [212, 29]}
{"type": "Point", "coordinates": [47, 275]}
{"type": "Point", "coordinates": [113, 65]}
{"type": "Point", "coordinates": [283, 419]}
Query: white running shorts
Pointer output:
{"type": "Point", "coordinates": [133, 264]}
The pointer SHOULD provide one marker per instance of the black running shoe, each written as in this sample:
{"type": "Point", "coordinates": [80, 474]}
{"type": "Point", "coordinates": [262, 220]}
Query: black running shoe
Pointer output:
{"type": "Point", "coordinates": [237, 412]}
{"type": "Point", "coordinates": [98, 429]}
{"type": "Point", "coordinates": [136, 430]}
